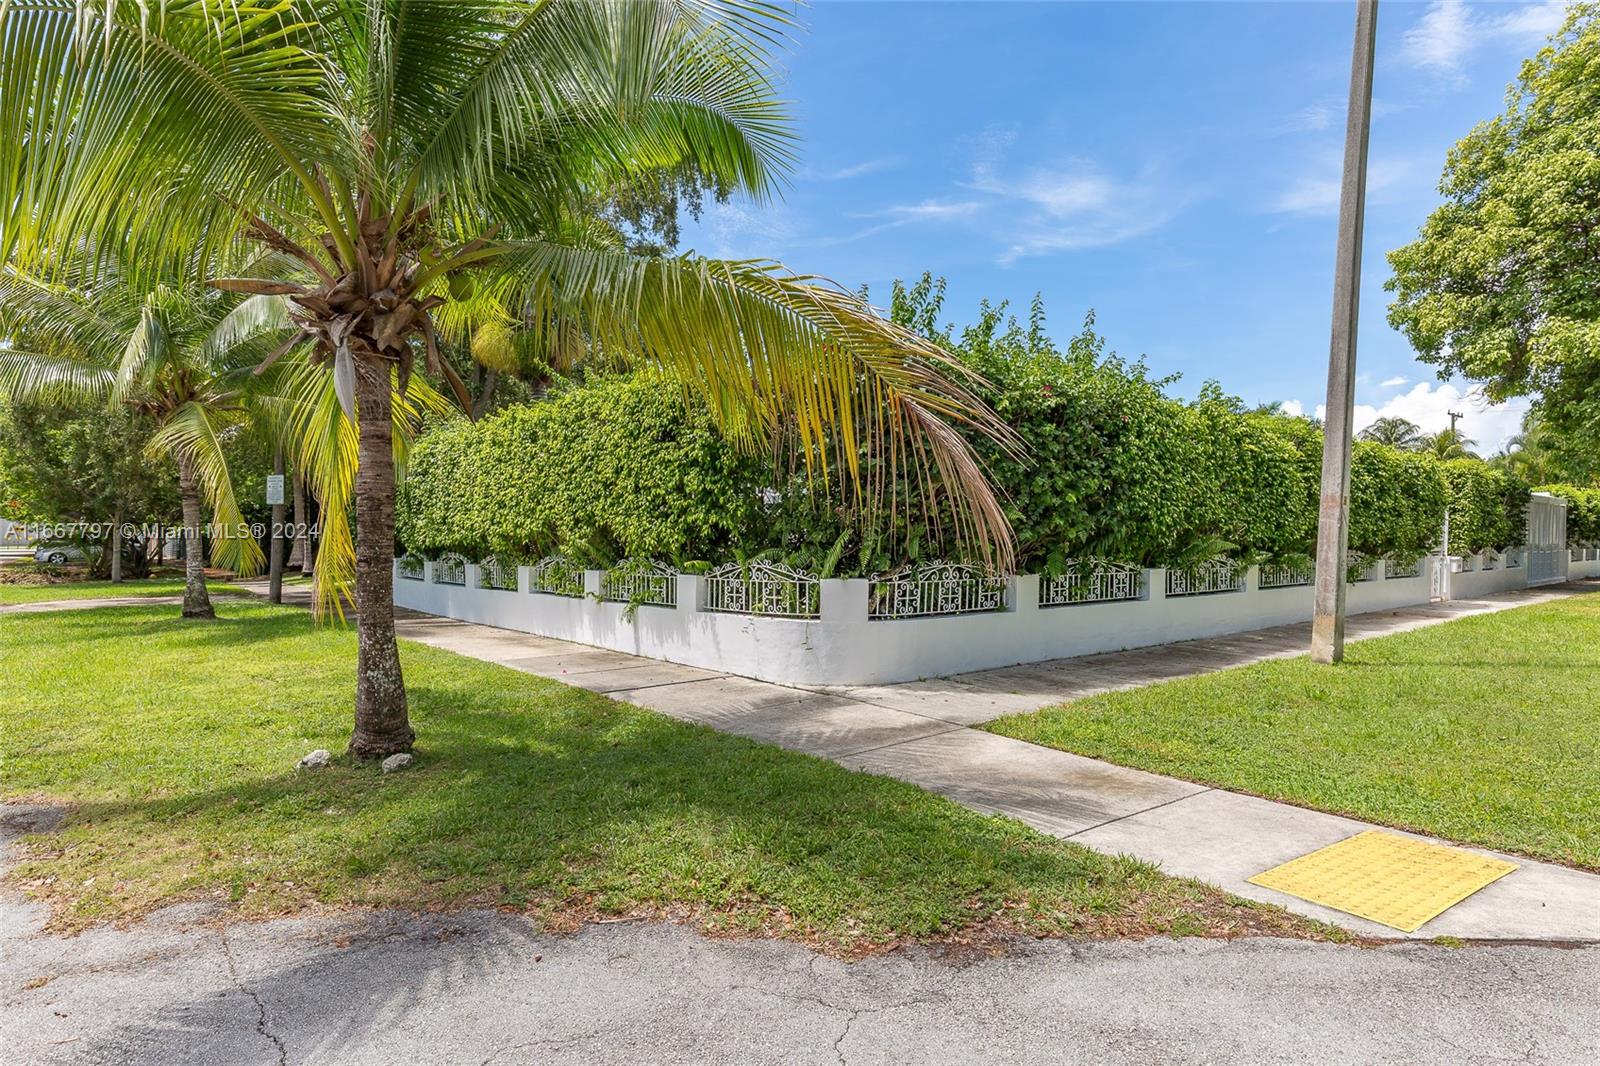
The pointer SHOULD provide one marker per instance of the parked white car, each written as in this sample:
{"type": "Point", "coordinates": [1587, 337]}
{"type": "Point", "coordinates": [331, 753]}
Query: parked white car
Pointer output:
{"type": "Point", "coordinates": [59, 554]}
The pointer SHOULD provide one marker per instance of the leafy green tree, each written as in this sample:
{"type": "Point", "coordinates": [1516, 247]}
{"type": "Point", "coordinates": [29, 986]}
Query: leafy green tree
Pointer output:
{"type": "Point", "coordinates": [1503, 284]}
{"type": "Point", "coordinates": [407, 156]}
{"type": "Point", "coordinates": [1541, 456]}
{"type": "Point", "coordinates": [84, 467]}
{"type": "Point", "coordinates": [179, 359]}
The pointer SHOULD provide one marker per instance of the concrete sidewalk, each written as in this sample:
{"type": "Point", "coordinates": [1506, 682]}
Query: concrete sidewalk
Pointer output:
{"type": "Point", "coordinates": [918, 732]}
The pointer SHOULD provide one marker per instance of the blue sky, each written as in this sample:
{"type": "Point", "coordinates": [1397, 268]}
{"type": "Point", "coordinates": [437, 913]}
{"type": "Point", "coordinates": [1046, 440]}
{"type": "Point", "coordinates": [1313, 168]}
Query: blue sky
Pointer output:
{"type": "Point", "coordinates": [1173, 166]}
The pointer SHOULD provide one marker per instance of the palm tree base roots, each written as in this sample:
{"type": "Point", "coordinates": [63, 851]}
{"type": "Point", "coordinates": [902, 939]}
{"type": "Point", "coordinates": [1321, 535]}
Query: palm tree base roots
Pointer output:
{"type": "Point", "coordinates": [366, 745]}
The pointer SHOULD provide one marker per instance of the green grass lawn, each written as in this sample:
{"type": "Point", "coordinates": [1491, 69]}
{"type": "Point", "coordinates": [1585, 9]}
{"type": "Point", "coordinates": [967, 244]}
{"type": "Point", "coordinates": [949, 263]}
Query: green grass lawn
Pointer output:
{"type": "Point", "coordinates": [175, 743]}
{"type": "Point", "coordinates": [89, 590]}
{"type": "Point", "coordinates": [1484, 730]}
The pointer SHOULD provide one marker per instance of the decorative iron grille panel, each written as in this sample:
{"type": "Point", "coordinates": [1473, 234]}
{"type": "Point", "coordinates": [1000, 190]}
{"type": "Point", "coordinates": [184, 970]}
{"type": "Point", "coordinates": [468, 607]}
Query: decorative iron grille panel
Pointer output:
{"type": "Point", "coordinates": [556, 575]}
{"type": "Point", "coordinates": [1489, 561]}
{"type": "Point", "coordinates": [936, 588]}
{"type": "Point", "coordinates": [1213, 575]}
{"type": "Point", "coordinates": [493, 574]}
{"type": "Point", "coordinates": [411, 567]}
{"type": "Point", "coordinates": [1513, 559]}
{"type": "Point", "coordinates": [638, 581]}
{"type": "Point", "coordinates": [1358, 567]}
{"type": "Point", "coordinates": [450, 570]}
{"type": "Point", "coordinates": [1092, 581]}
{"type": "Point", "coordinates": [1287, 575]}
{"type": "Point", "coordinates": [1399, 569]}
{"type": "Point", "coordinates": [764, 588]}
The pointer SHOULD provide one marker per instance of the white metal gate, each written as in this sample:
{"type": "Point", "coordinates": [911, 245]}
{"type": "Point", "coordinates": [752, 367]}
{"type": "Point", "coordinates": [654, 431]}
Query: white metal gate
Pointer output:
{"type": "Point", "coordinates": [1547, 539]}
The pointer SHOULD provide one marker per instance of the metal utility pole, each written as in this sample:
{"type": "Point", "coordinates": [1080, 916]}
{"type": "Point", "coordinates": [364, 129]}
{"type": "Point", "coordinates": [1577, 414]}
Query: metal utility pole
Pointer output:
{"type": "Point", "coordinates": [1455, 416]}
{"type": "Point", "coordinates": [1333, 521]}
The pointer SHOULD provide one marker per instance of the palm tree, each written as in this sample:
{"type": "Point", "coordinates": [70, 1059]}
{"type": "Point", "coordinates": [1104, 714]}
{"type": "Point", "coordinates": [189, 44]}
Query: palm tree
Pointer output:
{"type": "Point", "coordinates": [190, 359]}
{"type": "Point", "coordinates": [1394, 431]}
{"type": "Point", "coordinates": [1448, 444]}
{"type": "Point", "coordinates": [180, 358]}
{"type": "Point", "coordinates": [405, 155]}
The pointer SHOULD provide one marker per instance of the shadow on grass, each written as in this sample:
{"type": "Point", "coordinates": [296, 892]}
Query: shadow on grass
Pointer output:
{"type": "Point", "coordinates": [584, 801]}
{"type": "Point", "coordinates": [525, 794]}
{"type": "Point", "coordinates": [573, 806]}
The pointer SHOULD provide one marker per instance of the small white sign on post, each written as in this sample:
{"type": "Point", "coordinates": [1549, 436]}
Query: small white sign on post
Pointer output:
{"type": "Point", "coordinates": [274, 490]}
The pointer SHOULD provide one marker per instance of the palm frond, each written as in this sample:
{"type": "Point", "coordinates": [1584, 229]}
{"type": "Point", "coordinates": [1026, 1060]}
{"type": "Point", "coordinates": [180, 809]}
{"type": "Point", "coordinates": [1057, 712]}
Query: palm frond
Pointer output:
{"type": "Point", "coordinates": [51, 378]}
{"type": "Point", "coordinates": [190, 431]}
{"type": "Point", "coordinates": [775, 354]}
{"type": "Point", "coordinates": [624, 87]}
{"type": "Point", "coordinates": [325, 447]}
{"type": "Point", "coordinates": [69, 315]}
{"type": "Point", "coordinates": [222, 97]}
{"type": "Point", "coordinates": [147, 350]}
{"type": "Point", "coordinates": [250, 320]}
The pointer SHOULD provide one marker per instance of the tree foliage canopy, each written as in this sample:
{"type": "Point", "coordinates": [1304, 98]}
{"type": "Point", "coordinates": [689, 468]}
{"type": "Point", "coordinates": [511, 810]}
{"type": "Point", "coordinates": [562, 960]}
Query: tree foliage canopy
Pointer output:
{"type": "Point", "coordinates": [1503, 284]}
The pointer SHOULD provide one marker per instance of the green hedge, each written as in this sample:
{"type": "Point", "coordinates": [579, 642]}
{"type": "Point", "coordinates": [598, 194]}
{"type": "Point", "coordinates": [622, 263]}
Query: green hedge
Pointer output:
{"type": "Point", "coordinates": [1583, 512]}
{"type": "Point", "coordinates": [1397, 501]}
{"type": "Point", "coordinates": [1116, 469]}
{"type": "Point", "coordinates": [622, 467]}
{"type": "Point", "coordinates": [1488, 507]}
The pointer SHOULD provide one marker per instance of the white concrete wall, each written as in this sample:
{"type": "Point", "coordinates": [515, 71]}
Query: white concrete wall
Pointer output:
{"type": "Point", "coordinates": [844, 647]}
{"type": "Point", "coordinates": [1489, 574]}
{"type": "Point", "coordinates": [1585, 563]}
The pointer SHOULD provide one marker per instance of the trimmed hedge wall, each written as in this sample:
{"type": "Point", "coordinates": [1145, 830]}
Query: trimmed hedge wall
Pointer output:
{"type": "Point", "coordinates": [1488, 507]}
{"type": "Point", "coordinates": [621, 467]}
{"type": "Point", "coordinates": [627, 466]}
{"type": "Point", "coordinates": [1397, 501]}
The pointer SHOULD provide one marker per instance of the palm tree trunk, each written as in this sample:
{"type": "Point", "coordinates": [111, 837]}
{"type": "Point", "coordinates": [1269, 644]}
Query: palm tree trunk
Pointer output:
{"type": "Point", "coordinates": [116, 545]}
{"type": "Point", "coordinates": [382, 726]}
{"type": "Point", "coordinates": [196, 602]}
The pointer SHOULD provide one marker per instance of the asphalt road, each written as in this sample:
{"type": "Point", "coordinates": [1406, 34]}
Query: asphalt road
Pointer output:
{"type": "Point", "coordinates": [485, 988]}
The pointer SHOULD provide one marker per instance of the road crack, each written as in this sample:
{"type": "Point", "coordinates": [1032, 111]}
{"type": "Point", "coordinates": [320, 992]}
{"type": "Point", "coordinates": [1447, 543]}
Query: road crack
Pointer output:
{"type": "Point", "coordinates": [261, 1008]}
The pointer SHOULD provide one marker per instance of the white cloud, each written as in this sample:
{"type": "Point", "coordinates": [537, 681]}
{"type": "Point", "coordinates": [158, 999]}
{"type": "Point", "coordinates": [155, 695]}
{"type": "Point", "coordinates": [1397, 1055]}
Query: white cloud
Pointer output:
{"type": "Point", "coordinates": [1429, 404]}
{"type": "Point", "coordinates": [1063, 193]}
{"type": "Point", "coordinates": [930, 210]}
{"type": "Point", "coordinates": [1392, 383]}
{"type": "Point", "coordinates": [856, 170]}
{"type": "Point", "coordinates": [1314, 196]}
{"type": "Point", "coordinates": [1318, 194]}
{"type": "Point", "coordinates": [904, 215]}
{"type": "Point", "coordinates": [1449, 31]}
{"type": "Point", "coordinates": [1310, 117]}
{"type": "Point", "coordinates": [1069, 207]}
{"type": "Point", "coordinates": [1440, 38]}
{"type": "Point", "coordinates": [741, 230]}
{"type": "Point", "coordinates": [1293, 408]}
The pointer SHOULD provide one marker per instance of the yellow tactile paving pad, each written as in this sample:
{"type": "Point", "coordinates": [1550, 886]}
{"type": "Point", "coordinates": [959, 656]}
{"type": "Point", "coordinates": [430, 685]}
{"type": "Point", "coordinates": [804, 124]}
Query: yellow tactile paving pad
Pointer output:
{"type": "Point", "coordinates": [1391, 879]}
